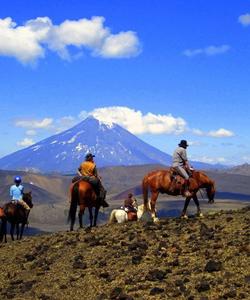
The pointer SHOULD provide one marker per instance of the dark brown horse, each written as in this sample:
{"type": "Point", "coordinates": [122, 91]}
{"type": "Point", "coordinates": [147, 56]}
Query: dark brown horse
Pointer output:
{"type": "Point", "coordinates": [15, 214]}
{"type": "Point", "coordinates": [83, 194]}
{"type": "Point", "coordinates": [161, 182]}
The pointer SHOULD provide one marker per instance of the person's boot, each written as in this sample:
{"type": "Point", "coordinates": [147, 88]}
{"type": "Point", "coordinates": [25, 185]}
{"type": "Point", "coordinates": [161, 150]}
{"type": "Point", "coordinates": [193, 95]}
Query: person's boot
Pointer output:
{"type": "Point", "coordinates": [186, 189]}
{"type": "Point", "coordinates": [102, 196]}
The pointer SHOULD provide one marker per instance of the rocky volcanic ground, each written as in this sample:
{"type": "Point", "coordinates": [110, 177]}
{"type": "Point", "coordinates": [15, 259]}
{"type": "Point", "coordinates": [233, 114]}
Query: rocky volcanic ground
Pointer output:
{"type": "Point", "coordinates": [176, 259]}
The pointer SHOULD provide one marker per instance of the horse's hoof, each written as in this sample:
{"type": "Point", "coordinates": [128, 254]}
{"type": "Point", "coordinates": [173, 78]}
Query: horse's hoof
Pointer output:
{"type": "Point", "coordinates": [184, 216]}
{"type": "Point", "coordinates": [200, 215]}
{"type": "Point", "coordinates": [156, 220]}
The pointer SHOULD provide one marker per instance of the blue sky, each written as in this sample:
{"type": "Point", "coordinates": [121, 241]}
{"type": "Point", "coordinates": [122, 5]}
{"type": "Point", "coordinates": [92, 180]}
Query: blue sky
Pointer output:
{"type": "Point", "coordinates": [165, 70]}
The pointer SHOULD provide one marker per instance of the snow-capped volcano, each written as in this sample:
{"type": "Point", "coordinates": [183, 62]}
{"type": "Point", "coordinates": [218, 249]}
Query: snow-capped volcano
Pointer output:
{"type": "Point", "coordinates": [111, 144]}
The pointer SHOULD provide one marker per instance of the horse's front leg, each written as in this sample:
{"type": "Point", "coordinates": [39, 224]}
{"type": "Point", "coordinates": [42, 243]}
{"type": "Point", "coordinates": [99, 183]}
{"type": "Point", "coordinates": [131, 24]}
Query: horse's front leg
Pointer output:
{"type": "Point", "coordinates": [12, 228]}
{"type": "Point", "coordinates": [17, 231]}
{"type": "Point", "coordinates": [90, 216]}
{"type": "Point", "coordinates": [96, 215]}
{"type": "Point", "coordinates": [80, 214]}
{"type": "Point", "coordinates": [196, 201]}
{"type": "Point", "coordinates": [184, 211]}
{"type": "Point", "coordinates": [154, 196]}
{"type": "Point", "coordinates": [22, 229]}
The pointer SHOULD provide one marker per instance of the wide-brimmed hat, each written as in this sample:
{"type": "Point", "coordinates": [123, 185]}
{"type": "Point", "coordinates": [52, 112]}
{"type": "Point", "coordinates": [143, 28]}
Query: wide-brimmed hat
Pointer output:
{"type": "Point", "coordinates": [89, 156]}
{"type": "Point", "coordinates": [183, 143]}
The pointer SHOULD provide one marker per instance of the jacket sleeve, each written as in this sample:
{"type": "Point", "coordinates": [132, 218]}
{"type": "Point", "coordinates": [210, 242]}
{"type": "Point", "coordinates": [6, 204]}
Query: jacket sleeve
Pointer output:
{"type": "Point", "coordinates": [11, 191]}
{"type": "Point", "coordinates": [95, 172]}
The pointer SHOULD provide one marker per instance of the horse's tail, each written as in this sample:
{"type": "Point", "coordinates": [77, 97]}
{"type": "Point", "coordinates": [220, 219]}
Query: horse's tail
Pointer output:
{"type": "Point", "coordinates": [73, 203]}
{"type": "Point", "coordinates": [3, 229]}
{"type": "Point", "coordinates": [145, 192]}
{"type": "Point", "coordinates": [112, 218]}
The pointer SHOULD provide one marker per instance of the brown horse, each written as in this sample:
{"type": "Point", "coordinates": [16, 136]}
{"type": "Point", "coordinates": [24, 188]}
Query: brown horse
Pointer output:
{"type": "Point", "coordinates": [83, 194]}
{"type": "Point", "coordinates": [160, 182]}
{"type": "Point", "coordinates": [15, 214]}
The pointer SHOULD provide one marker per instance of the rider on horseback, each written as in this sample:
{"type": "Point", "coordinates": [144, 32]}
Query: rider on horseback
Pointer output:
{"type": "Point", "coordinates": [130, 204]}
{"type": "Point", "coordinates": [181, 164]}
{"type": "Point", "coordinates": [89, 171]}
{"type": "Point", "coordinates": [16, 193]}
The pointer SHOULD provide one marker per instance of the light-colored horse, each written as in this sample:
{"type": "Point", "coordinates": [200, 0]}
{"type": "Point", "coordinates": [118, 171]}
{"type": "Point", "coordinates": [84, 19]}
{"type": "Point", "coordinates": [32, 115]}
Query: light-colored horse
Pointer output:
{"type": "Point", "coordinates": [120, 215]}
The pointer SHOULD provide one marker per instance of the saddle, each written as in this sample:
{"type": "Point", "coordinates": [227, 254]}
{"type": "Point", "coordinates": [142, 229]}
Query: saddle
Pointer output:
{"type": "Point", "coordinates": [92, 181]}
{"type": "Point", "coordinates": [177, 182]}
{"type": "Point", "coordinates": [132, 216]}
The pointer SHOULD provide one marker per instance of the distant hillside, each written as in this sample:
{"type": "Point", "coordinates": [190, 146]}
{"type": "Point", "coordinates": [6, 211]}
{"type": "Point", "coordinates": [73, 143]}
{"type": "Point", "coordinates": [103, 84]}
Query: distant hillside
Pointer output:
{"type": "Point", "coordinates": [51, 193]}
{"type": "Point", "coordinates": [241, 170]}
{"type": "Point", "coordinates": [175, 259]}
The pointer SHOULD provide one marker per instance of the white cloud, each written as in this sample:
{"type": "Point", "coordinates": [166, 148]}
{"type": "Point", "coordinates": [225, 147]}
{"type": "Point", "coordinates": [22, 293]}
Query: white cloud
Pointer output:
{"type": "Point", "coordinates": [31, 132]}
{"type": "Point", "coordinates": [137, 123]}
{"type": "Point", "coordinates": [83, 114]}
{"type": "Point", "coordinates": [20, 42]}
{"type": "Point", "coordinates": [124, 44]}
{"type": "Point", "coordinates": [244, 19]}
{"type": "Point", "coordinates": [64, 123]}
{"type": "Point", "coordinates": [32, 124]}
{"type": "Point", "coordinates": [208, 51]}
{"type": "Point", "coordinates": [221, 133]}
{"type": "Point", "coordinates": [209, 160]}
{"type": "Point", "coordinates": [30, 41]}
{"type": "Point", "coordinates": [25, 142]}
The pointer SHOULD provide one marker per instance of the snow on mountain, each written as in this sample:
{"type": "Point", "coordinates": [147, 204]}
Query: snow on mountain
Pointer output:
{"type": "Point", "coordinates": [111, 144]}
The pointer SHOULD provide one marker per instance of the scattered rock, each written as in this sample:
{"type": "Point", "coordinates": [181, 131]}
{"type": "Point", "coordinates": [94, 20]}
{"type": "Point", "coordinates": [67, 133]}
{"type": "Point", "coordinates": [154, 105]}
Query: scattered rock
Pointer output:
{"type": "Point", "coordinates": [231, 294]}
{"type": "Point", "coordinates": [213, 266]}
{"type": "Point", "coordinates": [156, 290]}
{"type": "Point", "coordinates": [203, 286]}
{"type": "Point", "coordinates": [136, 259]}
{"type": "Point", "coordinates": [155, 275]}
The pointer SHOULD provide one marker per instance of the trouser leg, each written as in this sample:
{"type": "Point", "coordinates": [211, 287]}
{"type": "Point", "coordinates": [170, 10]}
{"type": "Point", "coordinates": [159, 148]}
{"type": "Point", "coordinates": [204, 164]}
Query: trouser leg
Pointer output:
{"type": "Point", "coordinates": [100, 192]}
{"type": "Point", "coordinates": [185, 175]}
{"type": "Point", "coordinates": [24, 204]}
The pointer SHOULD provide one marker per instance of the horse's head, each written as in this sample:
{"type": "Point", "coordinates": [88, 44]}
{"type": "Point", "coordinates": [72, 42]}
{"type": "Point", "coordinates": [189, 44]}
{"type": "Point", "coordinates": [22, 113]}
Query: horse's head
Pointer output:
{"type": "Point", "coordinates": [210, 191]}
{"type": "Point", "coordinates": [27, 197]}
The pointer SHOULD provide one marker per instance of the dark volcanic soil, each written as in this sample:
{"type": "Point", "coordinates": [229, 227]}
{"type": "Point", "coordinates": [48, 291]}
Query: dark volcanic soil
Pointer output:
{"type": "Point", "coordinates": [176, 259]}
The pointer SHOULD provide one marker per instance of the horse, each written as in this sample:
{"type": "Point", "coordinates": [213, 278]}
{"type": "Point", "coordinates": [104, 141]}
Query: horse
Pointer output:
{"type": "Point", "coordinates": [83, 194]}
{"type": "Point", "coordinates": [121, 216]}
{"type": "Point", "coordinates": [159, 181]}
{"type": "Point", "coordinates": [15, 214]}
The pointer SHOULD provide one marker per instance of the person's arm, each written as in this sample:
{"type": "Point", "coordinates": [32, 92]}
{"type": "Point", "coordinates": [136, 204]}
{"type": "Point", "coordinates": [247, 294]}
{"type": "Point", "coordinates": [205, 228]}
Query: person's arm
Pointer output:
{"type": "Point", "coordinates": [22, 189]}
{"type": "Point", "coordinates": [184, 157]}
{"type": "Point", "coordinates": [95, 172]}
{"type": "Point", "coordinates": [11, 192]}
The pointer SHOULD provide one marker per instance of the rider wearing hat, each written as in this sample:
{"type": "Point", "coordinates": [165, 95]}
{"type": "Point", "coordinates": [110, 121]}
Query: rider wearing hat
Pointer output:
{"type": "Point", "coordinates": [88, 170]}
{"type": "Point", "coordinates": [16, 192]}
{"type": "Point", "coordinates": [181, 164]}
{"type": "Point", "coordinates": [130, 204]}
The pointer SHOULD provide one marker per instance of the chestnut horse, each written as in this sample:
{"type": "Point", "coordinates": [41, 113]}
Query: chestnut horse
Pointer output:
{"type": "Point", "coordinates": [15, 214]}
{"type": "Point", "coordinates": [83, 194]}
{"type": "Point", "coordinates": [160, 182]}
